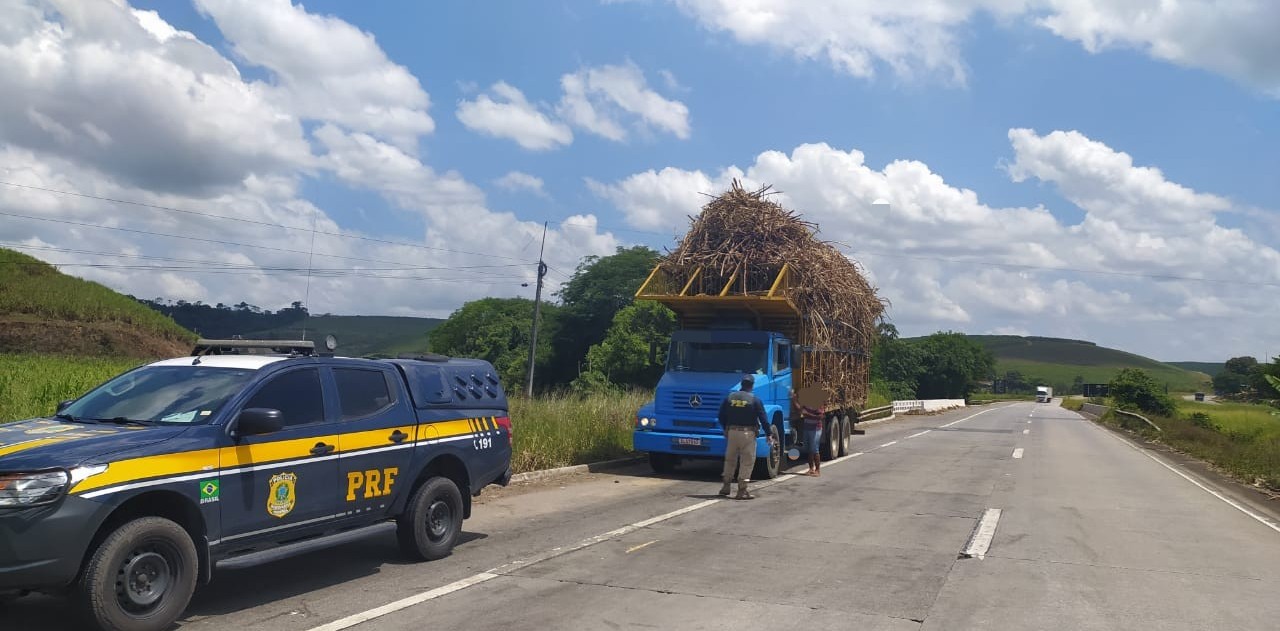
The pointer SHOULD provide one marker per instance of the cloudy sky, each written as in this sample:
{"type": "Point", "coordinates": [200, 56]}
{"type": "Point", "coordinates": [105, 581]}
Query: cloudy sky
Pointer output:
{"type": "Point", "coordinates": [1078, 168]}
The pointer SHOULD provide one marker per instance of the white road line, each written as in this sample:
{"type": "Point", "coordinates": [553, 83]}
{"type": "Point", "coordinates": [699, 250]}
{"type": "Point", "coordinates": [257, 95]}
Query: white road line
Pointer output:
{"type": "Point", "coordinates": [980, 540]}
{"type": "Point", "coordinates": [920, 433]}
{"type": "Point", "coordinates": [405, 603]}
{"type": "Point", "coordinates": [888, 444]}
{"type": "Point", "coordinates": [1234, 504]}
{"type": "Point", "coordinates": [969, 417]}
{"type": "Point", "coordinates": [1026, 431]}
{"type": "Point", "coordinates": [1017, 453]}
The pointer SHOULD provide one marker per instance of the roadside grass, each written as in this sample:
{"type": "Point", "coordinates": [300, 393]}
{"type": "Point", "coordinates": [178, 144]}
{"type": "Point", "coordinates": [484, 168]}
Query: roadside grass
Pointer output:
{"type": "Point", "coordinates": [1075, 404]}
{"type": "Point", "coordinates": [32, 385]}
{"type": "Point", "coordinates": [559, 430]}
{"type": "Point", "coordinates": [1242, 439]}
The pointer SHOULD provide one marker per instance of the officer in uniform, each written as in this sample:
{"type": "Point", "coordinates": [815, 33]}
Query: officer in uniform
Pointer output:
{"type": "Point", "coordinates": [741, 415]}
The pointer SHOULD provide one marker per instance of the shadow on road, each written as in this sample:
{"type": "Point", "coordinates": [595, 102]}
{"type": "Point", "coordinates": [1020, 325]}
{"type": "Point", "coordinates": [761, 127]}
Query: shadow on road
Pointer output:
{"type": "Point", "coordinates": [250, 582]}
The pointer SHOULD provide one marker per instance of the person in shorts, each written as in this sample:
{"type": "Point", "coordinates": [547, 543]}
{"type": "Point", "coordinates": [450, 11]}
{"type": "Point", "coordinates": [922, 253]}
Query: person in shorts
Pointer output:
{"type": "Point", "coordinates": [811, 426]}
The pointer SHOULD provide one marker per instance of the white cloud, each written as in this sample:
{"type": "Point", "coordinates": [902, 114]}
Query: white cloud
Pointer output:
{"type": "Point", "coordinates": [107, 101]}
{"type": "Point", "coordinates": [508, 114]}
{"type": "Point", "coordinates": [120, 89]}
{"type": "Point", "coordinates": [945, 259]}
{"type": "Point", "coordinates": [327, 68]}
{"type": "Point", "coordinates": [1235, 38]}
{"type": "Point", "coordinates": [921, 38]}
{"type": "Point", "coordinates": [596, 98]}
{"type": "Point", "coordinates": [520, 181]}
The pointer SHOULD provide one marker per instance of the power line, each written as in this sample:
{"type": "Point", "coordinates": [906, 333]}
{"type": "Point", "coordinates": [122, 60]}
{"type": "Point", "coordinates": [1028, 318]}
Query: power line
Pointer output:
{"type": "Point", "coordinates": [255, 221]}
{"type": "Point", "coordinates": [206, 240]}
{"type": "Point", "coordinates": [206, 262]}
{"type": "Point", "coordinates": [1065, 269]}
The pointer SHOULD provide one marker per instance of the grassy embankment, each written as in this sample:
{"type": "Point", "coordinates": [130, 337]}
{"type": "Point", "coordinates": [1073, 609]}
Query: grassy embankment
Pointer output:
{"type": "Point", "coordinates": [1241, 439]}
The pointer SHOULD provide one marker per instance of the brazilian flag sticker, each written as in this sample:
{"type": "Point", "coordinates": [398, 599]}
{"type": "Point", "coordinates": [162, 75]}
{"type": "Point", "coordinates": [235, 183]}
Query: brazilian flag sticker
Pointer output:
{"type": "Point", "coordinates": [209, 491]}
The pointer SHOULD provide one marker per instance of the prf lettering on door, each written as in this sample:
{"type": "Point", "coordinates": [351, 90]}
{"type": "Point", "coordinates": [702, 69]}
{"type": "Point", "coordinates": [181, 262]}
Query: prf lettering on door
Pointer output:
{"type": "Point", "coordinates": [376, 483]}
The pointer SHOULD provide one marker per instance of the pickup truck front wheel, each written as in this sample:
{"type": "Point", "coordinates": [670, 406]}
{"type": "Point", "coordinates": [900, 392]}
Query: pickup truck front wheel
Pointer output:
{"type": "Point", "coordinates": [140, 578]}
{"type": "Point", "coordinates": [432, 521]}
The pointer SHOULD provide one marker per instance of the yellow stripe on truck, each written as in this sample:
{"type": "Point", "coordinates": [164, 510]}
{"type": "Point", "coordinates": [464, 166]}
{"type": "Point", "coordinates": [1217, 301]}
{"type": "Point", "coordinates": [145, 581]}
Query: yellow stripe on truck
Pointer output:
{"type": "Point", "coordinates": [356, 441]}
{"type": "Point", "coordinates": [133, 469]}
{"type": "Point", "coordinates": [30, 444]}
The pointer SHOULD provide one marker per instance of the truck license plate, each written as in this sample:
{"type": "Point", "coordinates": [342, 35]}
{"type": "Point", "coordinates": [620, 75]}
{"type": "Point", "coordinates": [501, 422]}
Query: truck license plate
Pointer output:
{"type": "Point", "coordinates": [696, 442]}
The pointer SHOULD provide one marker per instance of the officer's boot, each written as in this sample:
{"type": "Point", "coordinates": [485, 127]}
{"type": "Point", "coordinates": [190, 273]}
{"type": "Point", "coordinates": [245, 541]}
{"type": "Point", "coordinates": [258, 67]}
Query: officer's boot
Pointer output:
{"type": "Point", "coordinates": [724, 489]}
{"type": "Point", "coordinates": [743, 494]}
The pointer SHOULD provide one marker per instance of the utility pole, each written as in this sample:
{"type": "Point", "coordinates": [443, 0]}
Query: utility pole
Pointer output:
{"type": "Point", "coordinates": [537, 310]}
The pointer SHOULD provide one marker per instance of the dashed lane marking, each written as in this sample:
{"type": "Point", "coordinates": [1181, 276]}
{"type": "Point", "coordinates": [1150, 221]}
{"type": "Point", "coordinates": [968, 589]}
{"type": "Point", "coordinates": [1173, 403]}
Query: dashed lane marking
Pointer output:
{"type": "Point", "coordinates": [980, 540]}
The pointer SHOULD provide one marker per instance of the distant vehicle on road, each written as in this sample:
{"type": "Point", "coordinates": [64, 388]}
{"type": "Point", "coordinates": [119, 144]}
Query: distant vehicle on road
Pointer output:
{"type": "Point", "coordinates": [1044, 394]}
{"type": "Point", "coordinates": [128, 496]}
{"type": "Point", "coordinates": [1199, 396]}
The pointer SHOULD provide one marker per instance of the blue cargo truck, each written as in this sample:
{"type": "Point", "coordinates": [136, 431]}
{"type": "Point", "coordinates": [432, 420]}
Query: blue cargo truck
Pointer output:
{"type": "Point", "coordinates": [725, 332]}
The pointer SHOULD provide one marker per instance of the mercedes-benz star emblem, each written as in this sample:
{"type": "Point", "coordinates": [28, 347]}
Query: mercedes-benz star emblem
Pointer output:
{"type": "Point", "coordinates": [695, 401]}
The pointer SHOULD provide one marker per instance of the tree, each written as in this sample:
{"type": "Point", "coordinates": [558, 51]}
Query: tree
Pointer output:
{"type": "Point", "coordinates": [895, 364]}
{"type": "Point", "coordinates": [1260, 379]}
{"type": "Point", "coordinates": [496, 330]}
{"type": "Point", "coordinates": [1077, 385]}
{"type": "Point", "coordinates": [624, 356]}
{"type": "Point", "coordinates": [1228, 383]}
{"type": "Point", "coordinates": [951, 362]}
{"type": "Point", "coordinates": [1240, 365]}
{"type": "Point", "coordinates": [599, 289]}
{"type": "Point", "coordinates": [1134, 389]}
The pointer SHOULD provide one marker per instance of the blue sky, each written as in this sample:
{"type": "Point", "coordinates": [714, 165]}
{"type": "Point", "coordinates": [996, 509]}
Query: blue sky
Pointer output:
{"type": "Point", "coordinates": [1102, 94]}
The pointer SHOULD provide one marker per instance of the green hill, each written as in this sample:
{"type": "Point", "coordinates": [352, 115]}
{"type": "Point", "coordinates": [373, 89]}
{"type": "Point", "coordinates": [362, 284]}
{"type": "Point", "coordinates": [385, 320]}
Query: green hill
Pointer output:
{"type": "Point", "coordinates": [1060, 361]}
{"type": "Point", "coordinates": [1209, 368]}
{"type": "Point", "coordinates": [45, 311]}
{"type": "Point", "coordinates": [361, 335]}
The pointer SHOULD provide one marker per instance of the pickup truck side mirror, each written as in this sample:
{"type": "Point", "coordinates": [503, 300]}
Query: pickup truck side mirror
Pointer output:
{"type": "Point", "coordinates": [255, 421]}
{"type": "Point", "coordinates": [62, 405]}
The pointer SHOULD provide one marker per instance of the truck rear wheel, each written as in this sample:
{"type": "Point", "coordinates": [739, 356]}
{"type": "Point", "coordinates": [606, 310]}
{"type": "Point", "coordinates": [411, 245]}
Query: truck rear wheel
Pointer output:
{"type": "Point", "coordinates": [768, 466]}
{"type": "Point", "coordinates": [140, 578]}
{"type": "Point", "coordinates": [663, 463]}
{"type": "Point", "coordinates": [830, 445]}
{"type": "Point", "coordinates": [432, 520]}
{"type": "Point", "coordinates": [846, 432]}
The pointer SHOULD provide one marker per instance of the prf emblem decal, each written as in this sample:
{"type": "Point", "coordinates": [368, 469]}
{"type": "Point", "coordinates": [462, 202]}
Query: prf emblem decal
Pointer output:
{"type": "Point", "coordinates": [282, 495]}
{"type": "Point", "coordinates": [210, 491]}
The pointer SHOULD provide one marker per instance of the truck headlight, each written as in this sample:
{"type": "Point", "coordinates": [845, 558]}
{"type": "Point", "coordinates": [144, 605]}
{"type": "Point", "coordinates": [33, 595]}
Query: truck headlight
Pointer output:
{"type": "Point", "coordinates": [20, 490]}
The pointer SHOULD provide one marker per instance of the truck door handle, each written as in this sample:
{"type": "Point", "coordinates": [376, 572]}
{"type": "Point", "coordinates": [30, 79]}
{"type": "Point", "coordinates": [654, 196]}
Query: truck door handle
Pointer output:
{"type": "Point", "coordinates": [397, 436]}
{"type": "Point", "coordinates": [322, 449]}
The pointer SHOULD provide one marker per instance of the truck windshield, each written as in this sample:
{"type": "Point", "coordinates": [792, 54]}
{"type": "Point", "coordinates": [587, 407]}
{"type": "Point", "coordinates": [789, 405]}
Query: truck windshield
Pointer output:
{"type": "Point", "coordinates": [161, 394]}
{"type": "Point", "coordinates": [743, 357]}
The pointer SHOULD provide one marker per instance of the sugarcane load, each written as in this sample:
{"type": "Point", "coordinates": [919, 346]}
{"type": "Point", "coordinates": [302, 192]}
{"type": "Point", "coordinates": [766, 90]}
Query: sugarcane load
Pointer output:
{"type": "Point", "coordinates": [757, 293]}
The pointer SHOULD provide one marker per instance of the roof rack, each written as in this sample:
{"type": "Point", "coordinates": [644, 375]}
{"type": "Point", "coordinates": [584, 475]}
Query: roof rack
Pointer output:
{"type": "Point", "coordinates": [424, 357]}
{"type": "Point", "coordinates": [253, 347]}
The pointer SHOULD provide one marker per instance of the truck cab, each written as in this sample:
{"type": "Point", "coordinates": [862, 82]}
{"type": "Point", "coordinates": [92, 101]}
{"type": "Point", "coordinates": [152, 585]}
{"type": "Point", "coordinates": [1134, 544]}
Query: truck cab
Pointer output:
{"type": "Point", "coordinates": [703, 367]}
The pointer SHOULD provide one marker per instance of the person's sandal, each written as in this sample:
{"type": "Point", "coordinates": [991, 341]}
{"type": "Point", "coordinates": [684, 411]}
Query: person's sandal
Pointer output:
{"type": "Point", "coordinates": [744, 495]}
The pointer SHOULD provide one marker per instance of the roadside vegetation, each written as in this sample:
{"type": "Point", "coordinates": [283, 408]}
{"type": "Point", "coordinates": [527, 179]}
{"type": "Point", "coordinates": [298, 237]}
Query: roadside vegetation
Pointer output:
{"type": "Point", "coordinates": [564, 429]}
{"type": "Point", "coordinates": [32, 385]}
{"type": "Point", "coordinates": [1242, 439]}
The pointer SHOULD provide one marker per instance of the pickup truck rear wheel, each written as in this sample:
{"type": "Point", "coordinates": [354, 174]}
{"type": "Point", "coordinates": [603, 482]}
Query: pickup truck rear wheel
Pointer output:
{"type": "Point", "coordinates": [432, 521]}
{"type": "Point", "coordinates": [140, 578]}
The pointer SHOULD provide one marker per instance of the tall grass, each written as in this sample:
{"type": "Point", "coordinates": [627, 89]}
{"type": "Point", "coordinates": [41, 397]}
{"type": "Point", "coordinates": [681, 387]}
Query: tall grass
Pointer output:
{"type": "Point", "coordinates": [561, 429]}
{"type": "Point", "coordinates": [32, 385]}
{"type": "Point", "coordinates": [1242, 439]}
{"type": "Point", "coordinates": [35, 289]}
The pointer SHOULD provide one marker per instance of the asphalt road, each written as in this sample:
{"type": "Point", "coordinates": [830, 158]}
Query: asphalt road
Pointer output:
{"type": "Point", "coordinates": [1092, 533]}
